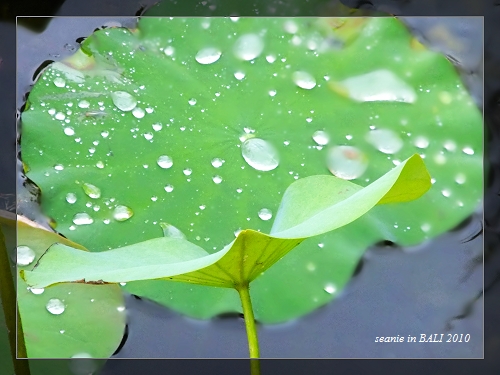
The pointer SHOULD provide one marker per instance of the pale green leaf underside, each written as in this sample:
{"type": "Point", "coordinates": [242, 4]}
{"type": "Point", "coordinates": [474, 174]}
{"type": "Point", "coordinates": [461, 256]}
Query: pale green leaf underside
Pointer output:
{"type": "Point", "coordinates": [310, 206]}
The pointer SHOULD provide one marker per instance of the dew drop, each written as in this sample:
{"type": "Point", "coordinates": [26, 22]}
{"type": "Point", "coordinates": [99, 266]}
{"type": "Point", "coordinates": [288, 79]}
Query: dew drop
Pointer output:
{"type": "Point", "coordinates": [425, 227]}
{"type": "Point", "coordinates": [123, 100]}
{"type": "Point", "coordinates": [192, 101]}
{"type": "Point", "coordinates": [83, 104]}
{"type": "Point", "coordinates": [321, 137]}
{"type": "Point", "coordinates": [82, 218]}
{"type": "Point", "coordinates": [384, 140]}
{"type": "Point", "coordinates": [239, 75]}
{"type": "Point", "coordinates": [104, 134]}
{"type": "Point", "coordinates": [148, 136]}
{"type": "Point", "coordinates": [69, 131]}
{"type": "Point", "coordinates": [154, 198]}
{"type": "Point", "coordinates": [71, 198]}
{"type": "Point", "coordinates": [55, 306]}
{"type": "Point", "coordinates": [468, 151]}
{"type": "Point", "coordinates": [60, 116]}
{"type": "Point", "coordinates": [217, 163]}
{"type": "Point", "coordinates": [290, 27]}
{"type": "Point", "coordinates": [321, 245]}
{"type": "Point", "coordinates": [37, 290]}
{"type": "Point", "coordinates": [207, 55]}
{"type": "Point", "coordinates": [421, 142]}
{"type": "Point", "coordinates": [165, 161]}
{"type": "Point", "coordinates": [270, 59]}
{"type": "Point", "coordinates": [450, 146]}
{"type": "Point", "coordinates": [157, 127]}
{"type": "Point", "coordinates": [272, 92]}
{"type": "Point", "coordinates": [217, 179]}
{"type": "Point", "coordinates": [170, 231]}
{"type": "Point", "coordinates": [169, 51]}
{"type": "Point", "coordinates": [380, 85]}
{"type": "Point", "coordinates": [138, 112]}
{"type": "Point", "coordinates": [169, 188]}
{"type": "Point", "coordinates": [446, 193]}
{"type": "Point", "coordinates": [311, 267]}
{"type": "Point", "coordinates": [330, 288]}
{"type": "Point", "coordinates": [265, 214]}
{"type": "Point", "coordinates": [25, 255]}
{"type": "Point", "coordinates": [304, 80]}
{"type": "Point", "coordinates": [460, 178]}
{"type": "Point", "coordinates": [260, 154]}
{"type": "Point", "coordinates": [59, 82]}
{"type": "Point", "coordinates": [99, 164]}
{"type": "Point", "coordinates": [187, 171]}
{"type": "Point", "coordinates": [122, 213]}
{"type": "Point", "coordinates": [347, 162]}
{"type": "Point", "coordinates": [58, 167]}
{"type": "Point", "coordinates": [248, 47]}
{"type": "Point", "coordinates": [91, 190]}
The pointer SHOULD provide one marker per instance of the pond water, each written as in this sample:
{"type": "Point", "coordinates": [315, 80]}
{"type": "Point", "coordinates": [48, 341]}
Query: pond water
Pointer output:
{"type": "Point", "coordinates": [432, 288]}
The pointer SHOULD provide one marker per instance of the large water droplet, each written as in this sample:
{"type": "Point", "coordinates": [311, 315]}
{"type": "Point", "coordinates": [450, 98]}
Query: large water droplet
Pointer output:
{"type": "Point", "coordinates": [380, 85]}
{"type": "Point", "coordinates": [170, 231]}
{"type": "Point", "coordinates": [25, 255]}
{"type": "Point", "coordinates": [69, 131]}
{"type": "Point", "coordinates": [260, 154]}
{"type": "Point", "coordinates": [59, 82]}
{"type": "Point", "coordinates": [82, 218]}
{"type": "Point", "coordinates": [208, 55]}
{"type": "Point", "coordinates": [347, 162]}
{"type": "Point", "coordinates": [138, 112]}
{"type": "Point", "coordinates": [239, 75]}
{"type": "Point", "coordinates": [83, 104]}
{"type": "Point", "coordinates": [55, 306]}
{"type": "Point", "coordinates": [91, 190]}
{"type": "Point", "coordinates": [330, 288]}
{"type": "Point", "coordinates": [384, 140]}
{"type": "Point", "coordinates": [157, 127]}
{"type": "Point", "coordinates": [123, 100]}
{"type": "Point", "coordinates": [303, 80]}
{"type": "Point", "coordinates": [265, 214]}
{"type": "Point", "coordinates": [248, 47]}
{"type": "Point", "coordinates": [321, 137]}
{"type": "Point", "coordinates": [165, 161]}
{"type": "Point", "coordinates": [36, 290]}
{"type": "Point", "coordinates": [421, 142]}
{"type": "Point", "coordinates": [71, 198]}
{"type": "Point", "coordinates": [217, 163]}
{"type": "Point", "coordinates": [122, 213]}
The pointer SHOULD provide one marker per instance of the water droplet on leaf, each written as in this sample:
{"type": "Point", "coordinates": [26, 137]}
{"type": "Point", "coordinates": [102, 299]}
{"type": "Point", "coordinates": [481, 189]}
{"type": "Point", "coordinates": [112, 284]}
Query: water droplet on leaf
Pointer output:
{"type": "Point", "coordinates": [265, 214]}
{"type": "Point", "coordinates": [82, 218]}
{"type": "Point", "coordinates": [91, 190]}
{"type": "Point", "coordinates": [260, 154]}
{"type": "Point", "coordinates": [347, 162]}
{"type": "Point", "coordinates": [384, 140]}
{"type": "Point", "coordinates": [304, 80]}
{"type": "Point", "coordinates": [248, 47]}
{"type": "Point", "coordinates": [55, 306]}
{"type": "Point", "coordinates": [165, 161]}
{"type": "Point", "coordinates": [208, 55]}
{"type": "Point", "coordinates": [123, 100]}
{"type": "Point", "coordinates": [25, 255]}
{"type": "Point", "coordinates": [122, 213]}
{"type": "Point", "coordinates": [321, 137]}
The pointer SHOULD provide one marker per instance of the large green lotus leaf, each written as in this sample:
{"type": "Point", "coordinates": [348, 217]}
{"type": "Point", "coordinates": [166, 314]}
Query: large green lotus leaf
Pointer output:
{"type": "Point", "coordinates": [218, 119]}
{"type": "Point", "coordinates": [66, 320]}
